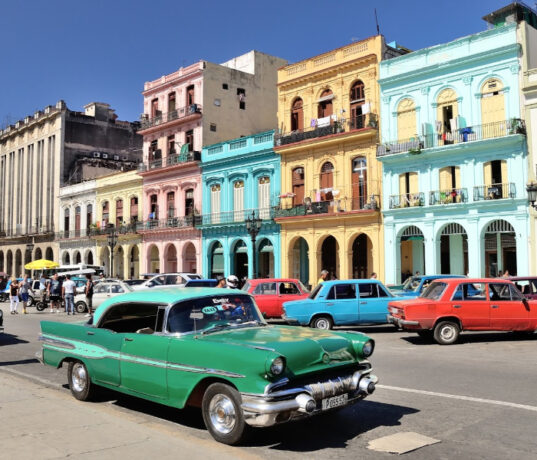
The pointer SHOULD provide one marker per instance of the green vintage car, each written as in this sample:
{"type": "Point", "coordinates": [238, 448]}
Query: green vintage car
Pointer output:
{"type": "Point", "coordinates": [210, 348]}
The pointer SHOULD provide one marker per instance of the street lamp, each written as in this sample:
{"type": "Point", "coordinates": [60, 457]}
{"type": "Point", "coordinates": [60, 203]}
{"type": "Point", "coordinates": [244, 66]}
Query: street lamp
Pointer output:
{"type": "Point", "coordinates": [253, 225]}
{"type": "Point", "coordinates": [112, 241]}
{"type": "Point", "coordinates": [531, 188]}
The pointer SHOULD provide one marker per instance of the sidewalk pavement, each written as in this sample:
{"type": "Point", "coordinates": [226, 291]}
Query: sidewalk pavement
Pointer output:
{"type": "Point", "coordinates": [38, 422]}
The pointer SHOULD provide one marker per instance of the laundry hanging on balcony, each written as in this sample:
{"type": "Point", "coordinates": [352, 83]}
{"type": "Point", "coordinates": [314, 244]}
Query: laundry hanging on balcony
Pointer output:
{"type": "Point", "coordinates": [321, 122]}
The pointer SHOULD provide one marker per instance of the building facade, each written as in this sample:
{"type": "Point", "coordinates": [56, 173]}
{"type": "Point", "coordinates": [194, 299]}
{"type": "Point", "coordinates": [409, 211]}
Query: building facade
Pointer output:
{"type": "Point", "coordinates": [241, 180]}
{"type": "Point", "coordinates": [198, 105]}
{"type": "Point", "coordinates": [78, 203]}
{"type": "Point", "coordinates": [40, 154]}
{"type": "Point", "coordinates": [331, 181]}
{"type": "Point", "coordinates": [454, 159]}
{"type": "Point", "coordinates": [119, 204]}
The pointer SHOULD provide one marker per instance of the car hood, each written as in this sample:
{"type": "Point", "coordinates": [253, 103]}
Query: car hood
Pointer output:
{"type": "Point", "coordinates": [303, 349]}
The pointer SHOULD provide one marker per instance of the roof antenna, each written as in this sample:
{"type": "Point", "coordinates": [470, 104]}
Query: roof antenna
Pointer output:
{"type": "Point", "coordinates": [377, 22]}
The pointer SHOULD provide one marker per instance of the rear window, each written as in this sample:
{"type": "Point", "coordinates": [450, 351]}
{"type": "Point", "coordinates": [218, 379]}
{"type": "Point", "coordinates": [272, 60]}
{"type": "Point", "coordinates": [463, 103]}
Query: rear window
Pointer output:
{"type": "Point", "coordinates": [434, 291]}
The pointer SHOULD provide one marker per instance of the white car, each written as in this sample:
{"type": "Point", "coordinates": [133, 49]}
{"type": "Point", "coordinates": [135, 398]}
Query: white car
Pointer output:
{"type": "Point", "coordinates": [167, 279]}
{"type": "Point", "coordinates": [102, 291]}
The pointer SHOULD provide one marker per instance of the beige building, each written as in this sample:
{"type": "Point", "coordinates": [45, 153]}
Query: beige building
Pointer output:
{"type": "Point", "coordinates": [38, 155]}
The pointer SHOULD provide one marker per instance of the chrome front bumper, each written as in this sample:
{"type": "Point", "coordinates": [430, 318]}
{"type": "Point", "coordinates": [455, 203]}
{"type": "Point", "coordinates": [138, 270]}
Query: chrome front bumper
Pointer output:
{"type": "Point", "coordinates": [268, 409]}
{"type": "Point", "coordinates": [401, 322]}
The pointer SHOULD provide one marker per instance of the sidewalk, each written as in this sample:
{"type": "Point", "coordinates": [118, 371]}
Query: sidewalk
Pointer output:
{"type": "Point", "coordinates": [42, 423]}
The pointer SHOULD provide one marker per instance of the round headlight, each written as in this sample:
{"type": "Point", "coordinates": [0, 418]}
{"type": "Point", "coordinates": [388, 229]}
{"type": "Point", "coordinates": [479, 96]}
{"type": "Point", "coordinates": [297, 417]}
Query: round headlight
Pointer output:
{"type": "Point", "coordinates": [277, 366]}
{"type": "Point", "coordinates": [367, 349]}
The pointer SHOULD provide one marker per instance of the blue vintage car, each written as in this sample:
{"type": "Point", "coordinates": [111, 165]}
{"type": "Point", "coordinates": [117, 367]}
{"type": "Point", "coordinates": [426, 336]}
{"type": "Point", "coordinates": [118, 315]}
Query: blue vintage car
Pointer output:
{"type": "Point", "coordinates": [415, 285]}
{"type": "Point", "coordinates": [341, 302]}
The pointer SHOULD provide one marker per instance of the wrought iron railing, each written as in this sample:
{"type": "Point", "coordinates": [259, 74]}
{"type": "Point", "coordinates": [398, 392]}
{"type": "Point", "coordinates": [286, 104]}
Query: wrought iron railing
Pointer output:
{"type": "Point", "coordinates": [173, 115]}
{"type": "Point", "coordinates": [448, 196]}
{"type": "Point", "coordinates": [331, 127]}
{"type": "Point", "coordinates": [458, 136]}
{"type": "Point", "coordinates": [407, 200]}
{"type": "Point", "coordinates": [170, 222]}
{"type": "Point", "coordinates": [170, 160]}
{"type": "Point", "coordinates": [494, 191]}
{"type": "Point", "coordinates": [229, 217]}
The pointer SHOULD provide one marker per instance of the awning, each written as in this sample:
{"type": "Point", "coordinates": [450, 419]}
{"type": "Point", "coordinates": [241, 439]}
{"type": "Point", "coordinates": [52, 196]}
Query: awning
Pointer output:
{"type": "Point", "coordinates": [267, 248]}
{"type": "Point", "coordinates": [219, 250]}
{"type": "Point", "coordinates": [241, 250]}
{"type": "Point", "coordinates": [412, 238]}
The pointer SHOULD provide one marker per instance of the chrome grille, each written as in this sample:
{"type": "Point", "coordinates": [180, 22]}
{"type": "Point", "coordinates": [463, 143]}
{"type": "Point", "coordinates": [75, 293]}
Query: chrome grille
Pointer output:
{"type": "Point", "coordinates": [328, 388]}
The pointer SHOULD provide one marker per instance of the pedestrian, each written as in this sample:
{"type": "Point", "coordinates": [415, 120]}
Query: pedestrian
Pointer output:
{"type": "Point", "coordinates": [25, 287]}
{"type": "Point", "coordinates": [54, 291]}
{"type": "Point", "coordinates": [506, 274]}
{"type": "Point", "coordinates": [232, 282]}
{"type": "Point", "coordinates": [89, 294]}
{"type": "Point", "coordinates": [220, 282]}
{"type": "Point", "coordinates": [417, 273]}
{"type": "Point", "coordinates": [373, 276]}
{"type": "Point", "coordinates": [42, 286]}
{"type": "Point", "coordinates": [68, 294]}
{"type": "Point", "coordinates": [322, 278]}
{"type": "Point", "coordinates": [14, 296]}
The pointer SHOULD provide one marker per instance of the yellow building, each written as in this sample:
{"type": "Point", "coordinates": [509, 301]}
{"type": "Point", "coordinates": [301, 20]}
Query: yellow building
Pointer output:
{"type": "Point", "coordinates": [331, 181]}
{"type": "Point", "coordinates": [119, 208]}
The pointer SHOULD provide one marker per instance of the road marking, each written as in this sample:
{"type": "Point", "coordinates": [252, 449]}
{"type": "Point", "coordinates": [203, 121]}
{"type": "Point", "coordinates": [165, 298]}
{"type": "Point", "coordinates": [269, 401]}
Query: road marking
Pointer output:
{"type": "Point", "coordinates": [460, 397]}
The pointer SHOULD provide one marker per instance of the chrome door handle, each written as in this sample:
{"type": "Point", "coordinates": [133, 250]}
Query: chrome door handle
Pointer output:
{"type": "Point", "coordinates": [91, 333]}
{"type": "Point", "coordinates": [457, 306]}
{"type": "Point", "coordinates": [363, 303]}
{"type": "Point", "coordinates": [494, 306]}
{"type": "Point", "coordinates": [128, 339]}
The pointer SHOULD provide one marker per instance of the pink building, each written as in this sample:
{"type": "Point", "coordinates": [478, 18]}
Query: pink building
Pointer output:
{"type": "Point", "coordinates": [198, 105]}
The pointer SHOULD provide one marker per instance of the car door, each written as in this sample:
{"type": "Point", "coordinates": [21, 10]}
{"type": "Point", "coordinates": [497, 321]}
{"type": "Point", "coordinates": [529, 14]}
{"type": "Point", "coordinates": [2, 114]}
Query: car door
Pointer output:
{"type": "Point", "coordinates": [373, 306]}
{"type": "Point", "coordinates": [287, 291]}
{"type": "Point", "coordinates": [342, 303]}
{"type": "Point", "coordinates": [101, 292]}
{"type": "Point", "coordinates": [469, 302]}
{"type": "Point", "coordinates": [508, 310]}
{"type": "Point", "coordinates": [266, 298]}
{"type": "Point", "coordinates": [105, 345]}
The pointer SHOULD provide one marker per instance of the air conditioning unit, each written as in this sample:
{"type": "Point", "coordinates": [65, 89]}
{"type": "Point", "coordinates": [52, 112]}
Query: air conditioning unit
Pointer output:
{"type": "Point", "coordinates": [116, 157]}
{"type": "Point", "coordinates": [105, 156]}
{"type": "Point", "coordinates": [96, 154]}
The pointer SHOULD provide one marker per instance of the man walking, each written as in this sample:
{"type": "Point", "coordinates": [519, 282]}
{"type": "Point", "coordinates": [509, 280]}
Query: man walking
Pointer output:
{"type": "Point", "coordinates": [14, 296]}
{"type": "Point", "coordinates": [89, 294]}
{"type": "Point", "coordinates": [26, 287]}
{"type": "Point", "coordinates": [68, 294]}
{"type": "Point", "coordinates": [322, 278]}
{"type": "Point", "coordinates": [54, 291]}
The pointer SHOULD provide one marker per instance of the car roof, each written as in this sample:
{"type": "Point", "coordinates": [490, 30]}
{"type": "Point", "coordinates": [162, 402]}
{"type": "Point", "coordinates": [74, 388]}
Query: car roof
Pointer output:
{"type": "Point", "coordinates": [165, 295]}
{"type": "Point", "coordinates": [271, 280]}
{"type": "Point", "coordinates": [359, 281]}
{"type": "Point", "coordinates": [429, 277]}
{"type": "Point", "coordinates": [474, 280]}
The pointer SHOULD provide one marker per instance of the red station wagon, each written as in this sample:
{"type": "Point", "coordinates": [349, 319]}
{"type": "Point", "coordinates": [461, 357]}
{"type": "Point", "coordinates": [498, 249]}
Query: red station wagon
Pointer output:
{"type": "Point", "coordinates": [450, 306]}
{"type": "Point", "coordinates": [271, 293]}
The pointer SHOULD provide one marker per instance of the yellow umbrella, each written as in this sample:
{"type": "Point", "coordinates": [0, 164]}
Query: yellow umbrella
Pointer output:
{"type": "Point", "coordinates": [41, 264]}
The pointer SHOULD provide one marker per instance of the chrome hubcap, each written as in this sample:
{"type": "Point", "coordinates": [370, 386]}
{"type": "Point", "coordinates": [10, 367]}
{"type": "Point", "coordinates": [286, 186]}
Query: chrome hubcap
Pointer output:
{"type": "Point", "coordinates": [222, 414]}
{"type": "Point", "coordinates": [79, 377]}
{"type": "Point", "coordinates": [321, 324]}
{"type": "Point", "coordinates": [447, 333]}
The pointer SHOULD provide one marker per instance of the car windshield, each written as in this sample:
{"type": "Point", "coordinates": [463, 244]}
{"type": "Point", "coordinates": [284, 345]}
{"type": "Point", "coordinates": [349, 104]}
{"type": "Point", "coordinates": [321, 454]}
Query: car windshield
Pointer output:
{"type": "Point", "coordinates": [314, 293]}
{"type": "Point", "coordinates": [434, 291]}
{"type": "Point", "coordinates": [303, 288]}
{"type": "Point", "coordinates": [412, 283]}
{"type": "Point", "coordinates": [214, 313]}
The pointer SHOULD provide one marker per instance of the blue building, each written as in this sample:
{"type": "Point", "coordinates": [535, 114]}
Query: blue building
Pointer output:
{"type": "Point", "coordinates": [454, 159]}
{"type": "Point", "coordinates": [240, 177]}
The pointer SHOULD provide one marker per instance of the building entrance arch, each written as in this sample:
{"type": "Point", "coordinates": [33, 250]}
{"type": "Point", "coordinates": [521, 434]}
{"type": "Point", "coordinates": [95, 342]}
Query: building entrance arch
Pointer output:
{"type": "Point", "coordinates": [361, 256]}
{"type": "Point", "coordinates": [239, 259]}
{"type": "Point", "coordinates": [411, 252]}
{"type": "Point", "coordinates": [500, 248]}
{"type": "Point", "coordinates": [453, 250]}
{"type": "Point", "coordinates": [299, 260]}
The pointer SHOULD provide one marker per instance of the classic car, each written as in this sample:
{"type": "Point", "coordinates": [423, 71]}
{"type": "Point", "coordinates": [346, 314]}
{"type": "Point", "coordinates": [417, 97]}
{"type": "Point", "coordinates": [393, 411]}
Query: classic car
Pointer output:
{"type": "Point", "coordinates": [210, 348]}
{"type": "Point", "coordinates": [341, 302]}
{"type": "Point", "coordinates": [415, 285]}
{"type": "Point", "coordinates": [101, 292]}
{"type": "Point", "coordinates": [527, 285]}
{"type": "Point", "coordinates": [166, 279]}
{"type": "Point", "coordinates": [450, 306]}
{"type": "Point", "coordinates": [271, 293]}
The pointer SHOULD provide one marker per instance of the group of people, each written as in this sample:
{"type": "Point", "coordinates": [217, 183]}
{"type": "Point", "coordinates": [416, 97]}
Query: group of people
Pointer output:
{"type": "Point", "coordinates": [22, 288]}
{"type": "Point", "coordinates": [231, 282]}
{"type": "Point", "coordinates": [325, 273]}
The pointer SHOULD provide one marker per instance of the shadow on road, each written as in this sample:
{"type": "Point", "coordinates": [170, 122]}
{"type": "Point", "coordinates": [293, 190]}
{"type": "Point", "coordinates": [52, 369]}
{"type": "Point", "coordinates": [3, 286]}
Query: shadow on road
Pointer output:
{"type": "Point", "coordinates": [9, 339]}
{"type": "Point", "coordinates": [20, 361]}
{"type": "Point", "coordinates": [476, 337]}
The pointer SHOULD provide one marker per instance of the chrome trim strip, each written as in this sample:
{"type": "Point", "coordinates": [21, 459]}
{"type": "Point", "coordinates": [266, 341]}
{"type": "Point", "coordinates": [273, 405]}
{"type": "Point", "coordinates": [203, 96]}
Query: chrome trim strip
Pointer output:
{"type": "Point", "coordinates": [56, 342]}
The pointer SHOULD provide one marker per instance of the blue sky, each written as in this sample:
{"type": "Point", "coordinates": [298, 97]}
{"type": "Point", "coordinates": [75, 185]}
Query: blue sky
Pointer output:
{"type": "Point", "coordinates": [104, 50]}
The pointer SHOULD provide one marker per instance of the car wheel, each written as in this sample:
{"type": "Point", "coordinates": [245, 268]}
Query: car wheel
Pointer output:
{"type": "Point", "coordinates": [322, 322]}
{"type": "Point", "coordinates": [222, 414]}
{"type": "Point", "coordinates": [40, 306]}
{"type": "Point", "coordinates": [80, 306]}
{"type": "Point", "coordinates": [30, 302]}
{"type": "Point", "coordinates": [446, 332]}
{"type": "Point", "coordinates": [79, 381]}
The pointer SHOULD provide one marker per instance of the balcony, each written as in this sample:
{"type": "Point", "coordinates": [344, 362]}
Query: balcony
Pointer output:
{"type": "Point", "coordinates": [327, 127]}
{"type": "Point", "coordinates": [164, 118]}
{"type": "Point", "coordinates": [449, 196]}
{"type": "Point", "coordinates": [170, 160]}
{"type": "Point", "coordinates": [317, 203]}
{"type": "Point", "coordinates": [233, 217]}
{"type": "Point", "coordinates": [407, 200]}
{"type": "Point", "coordinates": [121, 230]}
{"type": "Point", "coordinates": [68, 234]}
{"type": "Point", "coordinates": [168, 223]}
{"type": "Point", "coordinates": [416, 144]}
{"type": "Point", "coordinates": [494, 192]}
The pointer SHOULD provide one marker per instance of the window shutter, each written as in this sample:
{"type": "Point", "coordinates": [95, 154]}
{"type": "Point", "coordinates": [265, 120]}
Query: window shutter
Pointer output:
{"type": "Point", "coordinates": [413, 182]}
{"type": "Point", "coordinates": [402, 184]}
{"type": "Point", "coordinates": [457, 177]}
{"type": "Point", "coordinates": [504, 172]}
{"type": "Point", "coordinates": [215, 205]}
{"type": "Point", "coordinates": [238, 201]}
{"type": "Point", "coordinates": [487, 173]}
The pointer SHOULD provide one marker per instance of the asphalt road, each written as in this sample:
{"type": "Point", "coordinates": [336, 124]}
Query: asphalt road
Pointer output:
{"type": "Point", "coordinates": [477, 398]}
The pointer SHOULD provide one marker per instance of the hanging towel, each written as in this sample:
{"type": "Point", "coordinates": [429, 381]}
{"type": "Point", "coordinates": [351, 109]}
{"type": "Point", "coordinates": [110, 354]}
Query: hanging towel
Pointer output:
{"type": "Point", "coordinates": [366, 108]}
{"type": "Point", "coordinates": [323, 122]}
{"type": "Point", "coordinates": [313, 122]}
{"type": "Point", "coordinates": [438, 126]}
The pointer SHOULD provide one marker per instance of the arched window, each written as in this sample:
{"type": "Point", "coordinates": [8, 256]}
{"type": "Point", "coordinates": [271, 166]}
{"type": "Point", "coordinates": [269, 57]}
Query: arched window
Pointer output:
{"type": "Point", "coordinates": [359, 182]}
{"type": "Point", "coordinates": [66, 221]}
{"type": "Point", "coordinates": [238, 200]}
{"type": "Point", "coordinates": [298, 185]}
{"type": "Point", "coordinates": [134, 209]}
{"type": "Point", "coordinates": [325, 108]}
{"type": "Point", "coordinates": [406, 120]}
{"type": "Point", "coordinates": [263, 197]}
{"type": "Point", "coordinates": [327, 181]}
{"type": "Point", "coordinates": [447, 115]}
{"type": "Point", "coordinates": [78, 212]}
{"type": "Point", "coordinates": [106, 213]}
{"type": "Point", "coordinates": [170, 200]}
{"type": "Point", "coordinates": [89, 215]}
{"type": "Point", "coordinates": [492, 105]}
{"type": "Point", "coordinates": [153, 206]}
{"type": "Point", "coordinates": [215, 203]}
{"type": "Point", "coordinates": [357, 100]}
{"type": "Point", "coordinates": [297, 115]}
{"type": "Point", "coordinates": [119, 213]}
{"type": "Point", "coordinates": [189, 202]}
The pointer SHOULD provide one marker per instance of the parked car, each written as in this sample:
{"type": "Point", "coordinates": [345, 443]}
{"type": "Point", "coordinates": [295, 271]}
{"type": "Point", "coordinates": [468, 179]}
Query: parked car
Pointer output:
{"type": "Point", "coordinates": [167, 279]}
{"type": "Point", "coordinates": [210, 348]}
{"type": "Point", "coordinates": [450, 306]}
{"type": "Point", "coordinates": [271, 293]}
{"type": "Point", "coordinates": [527, 285]}
{"type": "Point", "coordinates": [133, 282]}
{"type": "Point", "coordinates": [415, 285]}
{"type": "Point", "coordinates": [341, 302]}
{"type": "Point", "coordinates": [101, 292]}
{"type": "Point", "coordinates": [201, 283]}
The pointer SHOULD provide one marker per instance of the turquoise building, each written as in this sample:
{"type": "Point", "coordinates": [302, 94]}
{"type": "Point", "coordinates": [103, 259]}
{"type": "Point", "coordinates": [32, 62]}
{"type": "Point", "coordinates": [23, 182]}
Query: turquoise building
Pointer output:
{"type": "Point", "coordinates": [454, 159]}
{"type": "Point", "coordinates": [240, 177]}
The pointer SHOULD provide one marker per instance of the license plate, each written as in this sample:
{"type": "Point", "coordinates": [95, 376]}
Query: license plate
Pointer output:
{"type": "Point", "coordinates": [335, 401]}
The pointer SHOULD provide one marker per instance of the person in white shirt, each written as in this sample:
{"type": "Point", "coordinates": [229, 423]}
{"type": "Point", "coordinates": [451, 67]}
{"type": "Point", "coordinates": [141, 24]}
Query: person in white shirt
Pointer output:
{"type": "Point", "coordinates": [68, 294]}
